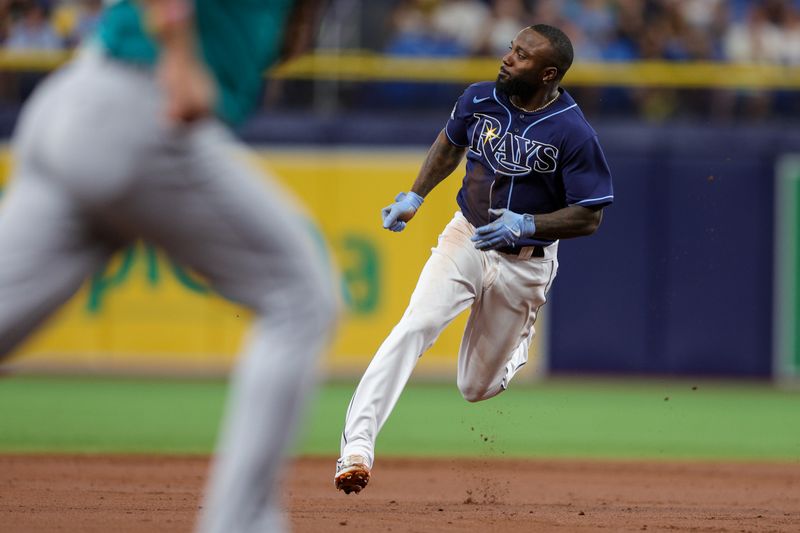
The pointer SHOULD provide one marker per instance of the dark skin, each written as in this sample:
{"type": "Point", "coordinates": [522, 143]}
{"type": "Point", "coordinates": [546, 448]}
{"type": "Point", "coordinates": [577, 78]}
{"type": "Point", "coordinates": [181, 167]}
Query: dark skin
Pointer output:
{"type": "Point", "coordinates": [529, 60]}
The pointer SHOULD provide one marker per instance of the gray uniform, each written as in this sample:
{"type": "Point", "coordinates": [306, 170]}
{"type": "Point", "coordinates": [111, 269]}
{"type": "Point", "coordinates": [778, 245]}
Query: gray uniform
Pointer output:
{"type": "Point", "coordinates": [97, 166]}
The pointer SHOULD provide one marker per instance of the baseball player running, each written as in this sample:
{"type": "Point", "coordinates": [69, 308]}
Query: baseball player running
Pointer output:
{"type": "Point", "coordinates": [535, 174]}
{"type": "Point", "coordinates": [129, 142]}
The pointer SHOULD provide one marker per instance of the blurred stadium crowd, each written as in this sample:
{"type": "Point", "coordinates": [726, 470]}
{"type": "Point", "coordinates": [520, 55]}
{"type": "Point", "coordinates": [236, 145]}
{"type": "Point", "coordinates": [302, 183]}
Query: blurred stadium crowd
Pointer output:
{"type": "Point", "coordinates": [605, 30]}
{"type": "Point", "coordinates": [602, 30]}
{"type": "Point", "coordinates": [765, 32]}
{"type": "Point", "coordinates": [47, 24]}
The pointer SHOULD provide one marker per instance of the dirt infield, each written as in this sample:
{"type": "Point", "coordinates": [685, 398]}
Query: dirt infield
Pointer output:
{"type": "Point", "coordinates": [147, 494]}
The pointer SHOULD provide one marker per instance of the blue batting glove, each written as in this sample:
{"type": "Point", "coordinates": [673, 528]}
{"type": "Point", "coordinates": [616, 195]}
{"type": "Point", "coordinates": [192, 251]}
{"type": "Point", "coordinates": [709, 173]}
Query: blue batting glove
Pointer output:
{"type": "Point", "coordinates": [506, 230]}
{"type": "Point", "coordinates": [396, 215]}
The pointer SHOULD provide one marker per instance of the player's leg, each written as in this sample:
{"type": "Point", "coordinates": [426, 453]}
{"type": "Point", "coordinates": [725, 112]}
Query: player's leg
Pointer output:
{"type": "Point", "coordinates": [206, 207]}
{"type": "Point", "coordinates": [273, 267]}
{"type": "Point", "coordinates": [184, 189]}
{"type": "Point", "coordinates": [447, 286]}
{"type": "Point", "coordinates": [48, 250]}
{"type": "Point", "coordinates": [48, 242]}
{"type": "Point", "coordinates": [501, 324]}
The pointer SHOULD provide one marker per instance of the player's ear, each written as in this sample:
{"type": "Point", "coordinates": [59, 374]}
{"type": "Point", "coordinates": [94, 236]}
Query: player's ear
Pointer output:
{"type": "Point", "coordinates": [549, 74]}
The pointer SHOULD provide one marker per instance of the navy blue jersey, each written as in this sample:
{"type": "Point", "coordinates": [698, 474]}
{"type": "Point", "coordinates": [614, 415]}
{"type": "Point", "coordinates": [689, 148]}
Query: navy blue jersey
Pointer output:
{"type": "Point", "coordinates": [526, 162]}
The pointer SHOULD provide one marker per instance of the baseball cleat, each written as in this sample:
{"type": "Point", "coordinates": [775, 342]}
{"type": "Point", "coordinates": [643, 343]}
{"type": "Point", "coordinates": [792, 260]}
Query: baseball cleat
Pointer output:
{"type": "Point", "coordinates": [352, 474]}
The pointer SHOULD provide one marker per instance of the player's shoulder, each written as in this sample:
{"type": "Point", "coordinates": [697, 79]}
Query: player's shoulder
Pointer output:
{"type": "Point", "coordinates": [482, 88]}
{"type": "Point", "coordinates": [478, 93]}
{"type": "Point", "coordinates": [572, 118]}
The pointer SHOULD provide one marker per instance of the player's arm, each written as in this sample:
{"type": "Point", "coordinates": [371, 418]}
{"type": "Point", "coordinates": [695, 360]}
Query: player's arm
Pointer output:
{"type": "Point", "coordinates": [509, 227]}
{"type": "Point", "coordinates": [442, 159]}
{"type": "Point", "coordinates": [587, 180]}
{"type": "Point", "coordinates": [189, 89]}
{"type": "Point", "coordinates": [569, 222]}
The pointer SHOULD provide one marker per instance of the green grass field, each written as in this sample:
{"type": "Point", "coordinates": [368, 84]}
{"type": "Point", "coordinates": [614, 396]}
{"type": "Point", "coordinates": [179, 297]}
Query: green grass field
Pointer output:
{"type": "Point", "coordinates": [555, 418]}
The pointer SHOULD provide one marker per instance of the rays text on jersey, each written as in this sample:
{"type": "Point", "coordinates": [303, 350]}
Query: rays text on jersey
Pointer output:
{"type": "Point", "coordinates": [510, 154]}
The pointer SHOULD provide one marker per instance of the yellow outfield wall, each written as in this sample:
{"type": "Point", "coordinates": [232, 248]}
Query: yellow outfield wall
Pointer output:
{"type": "Point", "coordinates": [144, 313]}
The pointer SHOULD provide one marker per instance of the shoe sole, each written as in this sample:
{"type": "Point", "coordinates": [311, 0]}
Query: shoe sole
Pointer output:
{"type": "Point", "coordinates": [353, 480]}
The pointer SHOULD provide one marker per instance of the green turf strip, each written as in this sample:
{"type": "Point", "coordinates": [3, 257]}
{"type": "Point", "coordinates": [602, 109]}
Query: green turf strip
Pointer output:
{"type": "Point", "coordinates": [556, 418]}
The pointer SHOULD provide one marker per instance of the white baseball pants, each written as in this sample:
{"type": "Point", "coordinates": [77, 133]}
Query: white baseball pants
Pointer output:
{"type": "Point", "coordinates": [504, 294]}
{"type": "Point", "coordinates": [97, 166]}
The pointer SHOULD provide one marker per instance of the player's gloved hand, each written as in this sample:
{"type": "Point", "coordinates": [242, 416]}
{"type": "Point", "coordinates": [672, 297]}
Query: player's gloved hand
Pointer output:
{"type": "Point", "coordinates": [401, 211]}
{"type": "Point", "coordinates": [506, 230]}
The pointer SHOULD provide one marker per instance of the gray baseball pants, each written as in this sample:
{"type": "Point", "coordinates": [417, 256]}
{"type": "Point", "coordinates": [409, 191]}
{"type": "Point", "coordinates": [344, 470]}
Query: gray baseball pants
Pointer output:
{"type": "Point", "coordinates": [98, 166]}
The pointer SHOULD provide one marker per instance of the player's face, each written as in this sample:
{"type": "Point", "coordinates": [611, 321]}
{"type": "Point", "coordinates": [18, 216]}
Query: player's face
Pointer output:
{"type": "Point", "coordinates": [527, 65]}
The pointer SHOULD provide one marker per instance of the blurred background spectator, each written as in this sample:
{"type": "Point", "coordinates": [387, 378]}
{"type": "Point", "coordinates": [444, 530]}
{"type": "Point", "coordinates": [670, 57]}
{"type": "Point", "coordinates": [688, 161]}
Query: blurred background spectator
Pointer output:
{"type": "Point", "coordinates": [30, 27]}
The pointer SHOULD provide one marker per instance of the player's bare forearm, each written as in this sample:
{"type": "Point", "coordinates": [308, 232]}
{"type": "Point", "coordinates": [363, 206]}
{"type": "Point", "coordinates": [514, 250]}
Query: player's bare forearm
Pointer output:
{"type": "Point", "coordinates": [569, 222]}
{"type": "Point", "coordinates": [190, 92]}
{"type": "Point", "coordinates": [442, 159]}
{"type": "Point", "coordinates": [171, 23]}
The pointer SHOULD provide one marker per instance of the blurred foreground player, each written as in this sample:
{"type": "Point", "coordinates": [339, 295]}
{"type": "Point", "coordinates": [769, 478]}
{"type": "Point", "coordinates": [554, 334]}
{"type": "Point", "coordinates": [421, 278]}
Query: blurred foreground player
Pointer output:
{"type": "Point", "coordinates": [535, 174]}
{"type": "Point", "coordinates": [129, 141]}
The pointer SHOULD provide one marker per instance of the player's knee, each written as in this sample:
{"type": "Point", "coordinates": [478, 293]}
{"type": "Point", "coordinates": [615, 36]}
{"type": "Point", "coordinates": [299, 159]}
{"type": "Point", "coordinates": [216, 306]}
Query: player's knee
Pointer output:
{"type": "Point", "coordinates": [305, 297]}
{"type": "Point", "coordinates": [327, 310]}
{"type": "Point", "coordinates": [473, 392]}
{"type": "Point", "coordinates": [321, 304]}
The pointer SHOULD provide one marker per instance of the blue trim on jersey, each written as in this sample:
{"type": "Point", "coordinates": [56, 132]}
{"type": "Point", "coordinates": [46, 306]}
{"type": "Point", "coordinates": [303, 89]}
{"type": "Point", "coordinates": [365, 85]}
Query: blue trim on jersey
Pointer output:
{"type": "Point", "coordinates": [496, 99]}
{"type": "Point", "coordinates": [548, 116]}
{"type": "Point", "coordinates": [595, 200]}
{"type": "Point", "coordinates": [510, 190]}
